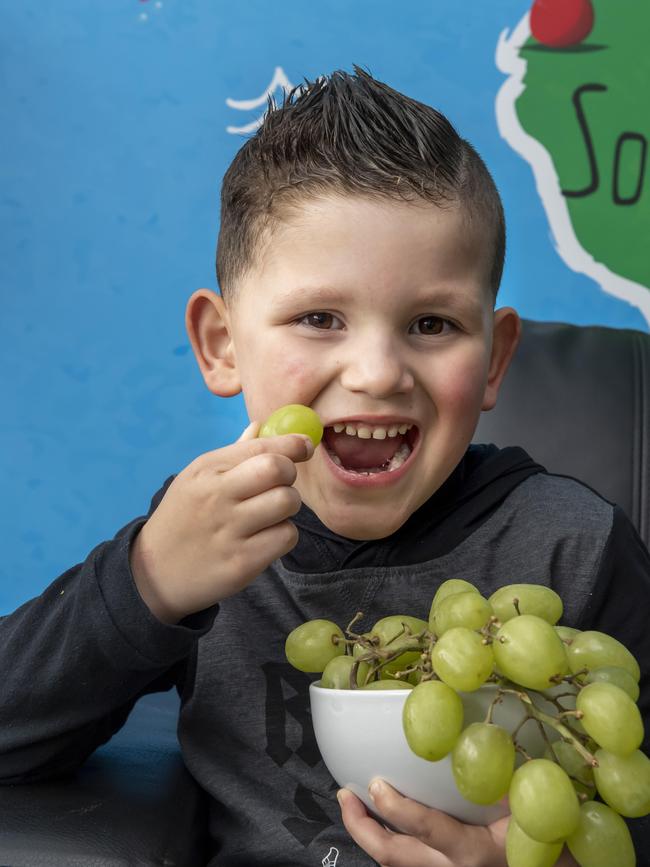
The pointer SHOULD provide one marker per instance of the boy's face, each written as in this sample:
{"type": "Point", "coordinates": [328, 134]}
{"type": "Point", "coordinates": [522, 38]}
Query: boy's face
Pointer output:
{"type": "Point", "coordinates": [377, 315]}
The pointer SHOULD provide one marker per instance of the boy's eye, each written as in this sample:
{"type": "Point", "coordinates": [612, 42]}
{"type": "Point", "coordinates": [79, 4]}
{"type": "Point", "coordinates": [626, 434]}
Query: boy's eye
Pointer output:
{"type": "Point", "coordinates": [322, 320]}
{"type": "Point", "coordinates": [431, 325]}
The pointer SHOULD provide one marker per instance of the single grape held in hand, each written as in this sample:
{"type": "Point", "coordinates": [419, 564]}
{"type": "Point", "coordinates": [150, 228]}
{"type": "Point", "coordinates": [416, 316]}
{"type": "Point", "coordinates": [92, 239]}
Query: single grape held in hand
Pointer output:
{"type": "Point", "coordinates": [293, 418]}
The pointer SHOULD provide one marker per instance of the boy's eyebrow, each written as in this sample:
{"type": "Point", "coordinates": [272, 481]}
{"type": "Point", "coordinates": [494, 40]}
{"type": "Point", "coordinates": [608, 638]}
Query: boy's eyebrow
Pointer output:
{"type": "Point", "coordinates": [445, 297]}
{"type": "Point", "coordinates": [313, 293]}
{"type": "Point", "coordinates": [451, 299]}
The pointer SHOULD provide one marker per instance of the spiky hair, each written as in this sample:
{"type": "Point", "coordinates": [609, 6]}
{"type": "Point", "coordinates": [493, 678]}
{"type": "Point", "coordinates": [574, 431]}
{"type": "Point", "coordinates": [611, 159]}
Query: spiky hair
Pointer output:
{"type": "Point", "coordinates": [349, 134]}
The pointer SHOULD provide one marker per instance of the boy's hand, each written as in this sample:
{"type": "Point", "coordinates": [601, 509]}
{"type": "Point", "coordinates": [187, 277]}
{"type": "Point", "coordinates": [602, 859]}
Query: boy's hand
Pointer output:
{"type": "Point", "coordinates": [222, 520]}
{"type": "Point", "coordinates": [430, 839]}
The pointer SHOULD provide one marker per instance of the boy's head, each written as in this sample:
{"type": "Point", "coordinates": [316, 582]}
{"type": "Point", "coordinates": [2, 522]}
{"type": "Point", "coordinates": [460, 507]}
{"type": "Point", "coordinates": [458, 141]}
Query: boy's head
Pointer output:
{"type": "Point", "coordinates": [350, 135]}
{"type": "Point", "coordinates": [360, 251]}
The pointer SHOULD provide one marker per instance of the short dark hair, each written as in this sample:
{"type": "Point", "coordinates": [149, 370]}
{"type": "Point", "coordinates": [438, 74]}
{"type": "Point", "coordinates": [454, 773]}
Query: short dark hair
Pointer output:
{"type": "Point", "coordinates": [353, 135]}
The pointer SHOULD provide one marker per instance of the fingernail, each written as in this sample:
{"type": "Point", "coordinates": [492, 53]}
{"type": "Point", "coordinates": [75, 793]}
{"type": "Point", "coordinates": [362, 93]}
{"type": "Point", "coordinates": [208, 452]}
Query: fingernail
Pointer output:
{"type": "Point", "coordinates": [375, 788]}
{"type": "Point", "coordinates": [340, 796]}
{"type": "Point", "coordinates": [246, 433]}
{"type": "Point", "coordinates": [309, 446]}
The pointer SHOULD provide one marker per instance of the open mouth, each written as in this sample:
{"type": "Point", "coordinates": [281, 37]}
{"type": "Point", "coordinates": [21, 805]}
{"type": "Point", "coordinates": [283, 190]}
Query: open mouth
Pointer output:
{"type": "Point", "coordinates": [369, 449]}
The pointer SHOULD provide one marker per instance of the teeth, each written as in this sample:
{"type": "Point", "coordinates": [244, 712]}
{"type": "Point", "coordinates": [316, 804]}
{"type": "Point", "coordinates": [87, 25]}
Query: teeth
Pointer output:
{"type": "Point", "coordinates": [395, 462]}
{"type": "Point", "coordinates": [375, 432]}
{"type": "Point", "coordinates": [399, 457]}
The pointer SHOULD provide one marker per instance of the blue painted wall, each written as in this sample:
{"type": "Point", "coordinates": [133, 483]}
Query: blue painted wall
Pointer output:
{"type": "Point", "coordinates": [114, 122]}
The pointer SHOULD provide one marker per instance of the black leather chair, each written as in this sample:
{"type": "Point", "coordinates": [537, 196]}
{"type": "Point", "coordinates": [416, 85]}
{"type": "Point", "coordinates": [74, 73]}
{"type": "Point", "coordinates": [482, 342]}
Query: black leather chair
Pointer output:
{"type": "Point", "coordinates": [577, 398]}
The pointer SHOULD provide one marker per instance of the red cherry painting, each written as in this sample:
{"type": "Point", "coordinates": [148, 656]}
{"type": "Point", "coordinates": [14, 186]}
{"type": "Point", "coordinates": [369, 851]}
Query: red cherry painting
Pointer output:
{"type": "Point", "coordinates": [560, 23]}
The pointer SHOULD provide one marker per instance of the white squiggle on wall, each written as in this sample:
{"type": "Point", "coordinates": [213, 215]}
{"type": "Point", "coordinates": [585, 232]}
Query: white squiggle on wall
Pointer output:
{"type": "Point", "coordinates": [279, 80]}
{"type": "Point", "coordinates": [510, 62]}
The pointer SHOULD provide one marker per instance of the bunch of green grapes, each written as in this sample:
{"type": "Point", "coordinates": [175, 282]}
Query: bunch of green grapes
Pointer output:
{"type": "Point", "coordinates": [593, 772]}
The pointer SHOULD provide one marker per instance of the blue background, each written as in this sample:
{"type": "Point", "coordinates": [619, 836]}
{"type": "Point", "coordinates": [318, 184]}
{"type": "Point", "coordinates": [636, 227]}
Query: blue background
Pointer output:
{"type": "Point", "coordinates": [114, 139]}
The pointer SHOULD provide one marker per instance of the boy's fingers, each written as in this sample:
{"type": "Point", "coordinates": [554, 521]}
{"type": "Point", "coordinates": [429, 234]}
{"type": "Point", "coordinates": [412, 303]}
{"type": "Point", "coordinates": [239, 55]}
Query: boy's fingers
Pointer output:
{"type": "Point", "coordinates": [388, 848]}
{"type": "Point", "coordinates": [297, 447]}
{"type": "Point", "coordinates": [436, 829]}
{"type": "Point", "coordinates": [269, 544]}
{"type": "Point", "coordinates": [250, 432]}
{"type": "Point", "coordinates": [258, 474]}
{"type": "Point", "coordinates": [268, 508]}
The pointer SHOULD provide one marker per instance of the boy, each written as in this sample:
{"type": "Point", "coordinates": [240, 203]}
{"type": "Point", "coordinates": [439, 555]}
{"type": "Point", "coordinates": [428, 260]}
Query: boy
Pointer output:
{"type": "Point", "coordinates": [360, 251]}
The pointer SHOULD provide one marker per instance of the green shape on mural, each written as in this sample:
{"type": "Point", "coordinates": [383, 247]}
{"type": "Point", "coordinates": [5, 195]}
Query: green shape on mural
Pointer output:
{"type": "Point", "coordinates": [587, 105]}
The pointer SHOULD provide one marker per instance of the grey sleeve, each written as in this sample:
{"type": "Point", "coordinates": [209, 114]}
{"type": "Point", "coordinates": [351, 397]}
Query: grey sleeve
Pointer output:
{"type": "Point", "coordinates": [74, 660]}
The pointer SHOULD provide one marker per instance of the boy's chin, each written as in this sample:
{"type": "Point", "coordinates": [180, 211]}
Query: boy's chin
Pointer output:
{"type": "Point", "coordinates": [362, 528]}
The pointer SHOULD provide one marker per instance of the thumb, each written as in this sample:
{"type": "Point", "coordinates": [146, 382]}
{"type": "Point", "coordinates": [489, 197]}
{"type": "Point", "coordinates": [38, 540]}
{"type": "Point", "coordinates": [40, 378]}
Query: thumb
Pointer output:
{"type": "Point", "coordinates": [250, 433]}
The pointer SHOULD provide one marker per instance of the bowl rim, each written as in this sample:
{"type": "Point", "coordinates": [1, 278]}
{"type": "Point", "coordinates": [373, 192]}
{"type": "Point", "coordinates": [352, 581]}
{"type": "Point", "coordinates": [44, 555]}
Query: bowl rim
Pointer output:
{"type": "Point", "coordinates": [332, 690]}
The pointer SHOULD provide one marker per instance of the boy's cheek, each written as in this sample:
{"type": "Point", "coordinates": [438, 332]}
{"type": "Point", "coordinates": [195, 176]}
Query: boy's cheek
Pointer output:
{"type": "Point", "coordinates": [463, 385]}
{"type": "Point", "coordinates": [280, 380]}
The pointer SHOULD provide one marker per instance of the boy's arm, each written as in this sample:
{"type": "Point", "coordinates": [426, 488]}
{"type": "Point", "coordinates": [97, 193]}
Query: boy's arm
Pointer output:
{"type": "Point", "coordinates": [74, 660]}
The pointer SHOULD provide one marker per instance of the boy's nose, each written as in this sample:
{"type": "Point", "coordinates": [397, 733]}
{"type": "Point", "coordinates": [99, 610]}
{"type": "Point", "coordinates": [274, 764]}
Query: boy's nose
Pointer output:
{"type": "Point", "coordinates": [376, 368]}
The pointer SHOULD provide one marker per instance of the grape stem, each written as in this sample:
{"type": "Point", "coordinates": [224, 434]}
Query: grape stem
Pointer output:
{"type": "Point", "coordinates": [535, 713]}
{"type": "Point", "coordinates": [379, 657]}
{"type": "Point", "coordinates": [358, 616]}
{"type": "Point", "coordinates": [520, 726]}
{"type": "Point", "coordinates": [498, 698]}
{"type": "Point", "coordinates": [521, 750]}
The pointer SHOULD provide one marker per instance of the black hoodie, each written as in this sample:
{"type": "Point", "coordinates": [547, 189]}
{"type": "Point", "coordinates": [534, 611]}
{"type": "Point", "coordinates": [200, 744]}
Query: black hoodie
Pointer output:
{"type": "Point", "coordinates": [74, 660]}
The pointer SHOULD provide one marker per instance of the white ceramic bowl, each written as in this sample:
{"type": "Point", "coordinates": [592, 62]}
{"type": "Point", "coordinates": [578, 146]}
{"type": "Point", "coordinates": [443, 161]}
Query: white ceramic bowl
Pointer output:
{"type": "Point", "coordinates": [360, 736]}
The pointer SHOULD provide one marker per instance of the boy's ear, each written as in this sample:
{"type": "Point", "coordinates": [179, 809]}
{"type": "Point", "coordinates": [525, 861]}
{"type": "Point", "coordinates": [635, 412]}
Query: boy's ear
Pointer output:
{"type": "Point", "coordinates": [505, 339]}
{"type": "Point", "coordinates": [208, 327]}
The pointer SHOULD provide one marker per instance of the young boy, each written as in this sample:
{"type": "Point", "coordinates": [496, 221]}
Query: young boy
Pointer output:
{"type": "Point", "coordinates": [359, 257]}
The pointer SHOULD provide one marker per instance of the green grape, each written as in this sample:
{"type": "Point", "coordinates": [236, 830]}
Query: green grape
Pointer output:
{"type": "Point", "coordinates": [543, 801]}
{"type": "Point", "coordinates": [482, 762]}
{"type": "Point", "coordinates": [461, 609]}
{"type": "Point", "coordinates": [523, 851]}
{"type": "Point", "coordinates": [461, 659]}
{"type": "Point", "coordinates": [358, 650]}
{"type": "Point", "coordinates": [448, 588]}
{"type": "Point", "coordinates": [602, 838]}
{"type": "Point", "coordinates": [528, 650]}
{"type": "Point", "coordinates": [623, 782]}
{"type": "Point", "coordinates": [390, 630]}
{"type": "Point", "coordinates": [618, 676]}
{"type": "Point", "coordinates": [573, 763]}
{"type": "Point", "coordinates": [293, 418]}
{"type": "Point", "coordinates": [610, 717]}
{"type": "Point", "coordinates": [393, 683]}
{"type": "Point", "coordinates": [530, 598]}
{"type": "Point", "coordinates": [338, 671]}
{"type": "Point", "coordinates": [567, 633]}
{"type": "Point", "coordinates": [432, 719]}
{"type": "Point", "coordinates": [391, 633]}
{"type": "Point", "coordinates": [593, 649]}
{"type": "Point", "coordinates": [310, 646]}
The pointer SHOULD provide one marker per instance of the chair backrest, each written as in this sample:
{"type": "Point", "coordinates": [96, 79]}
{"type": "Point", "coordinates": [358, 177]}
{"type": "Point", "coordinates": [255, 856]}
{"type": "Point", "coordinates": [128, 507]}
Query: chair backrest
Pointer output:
{"type": "Point", "coordinates": [577, 398]}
